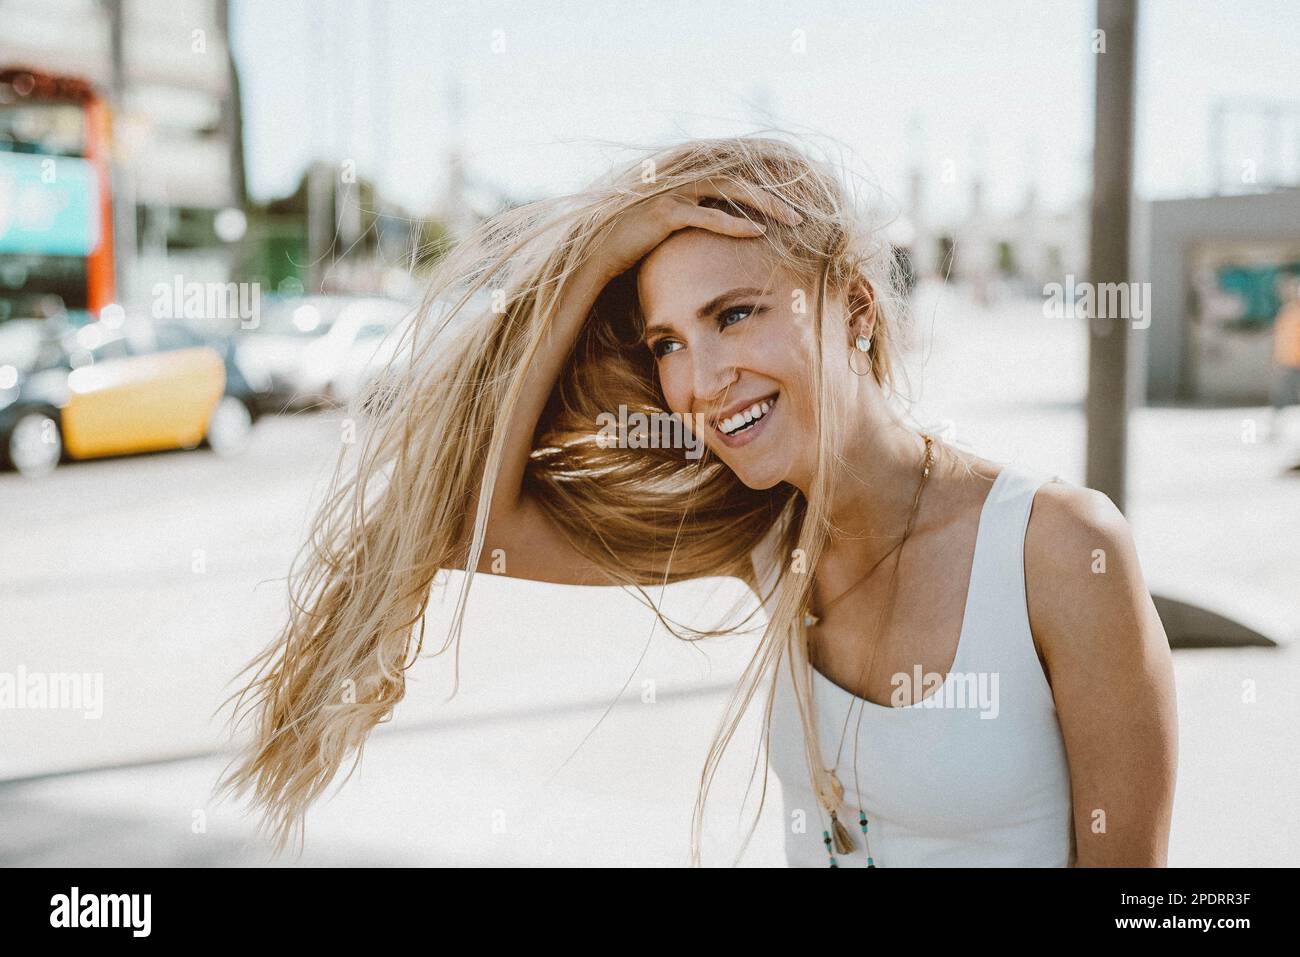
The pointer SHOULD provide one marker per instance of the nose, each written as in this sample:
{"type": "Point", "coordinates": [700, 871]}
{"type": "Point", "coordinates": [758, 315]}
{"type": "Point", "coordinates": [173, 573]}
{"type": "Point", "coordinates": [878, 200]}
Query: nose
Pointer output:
{"type": "Point", "coordinates": [712, 375]}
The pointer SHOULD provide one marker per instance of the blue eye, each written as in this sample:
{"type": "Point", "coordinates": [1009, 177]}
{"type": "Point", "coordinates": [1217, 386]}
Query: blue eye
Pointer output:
{"type": "Point", "coordinates": [722, 317]}
{"type": "Point", "coordinates": [663, 346]}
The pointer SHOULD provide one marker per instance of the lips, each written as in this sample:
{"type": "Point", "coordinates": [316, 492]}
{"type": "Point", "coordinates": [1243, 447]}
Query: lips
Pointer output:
{"type": "Point", "coordinates": [740, 406]}
{"type": "Point", "coordinates": [742, 422]}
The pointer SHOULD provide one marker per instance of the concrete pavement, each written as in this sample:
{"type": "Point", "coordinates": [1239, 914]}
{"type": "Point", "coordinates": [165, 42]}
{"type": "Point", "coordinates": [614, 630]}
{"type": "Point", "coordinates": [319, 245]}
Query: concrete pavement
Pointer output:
{"type": "Point", "coordinates": [159, 571]}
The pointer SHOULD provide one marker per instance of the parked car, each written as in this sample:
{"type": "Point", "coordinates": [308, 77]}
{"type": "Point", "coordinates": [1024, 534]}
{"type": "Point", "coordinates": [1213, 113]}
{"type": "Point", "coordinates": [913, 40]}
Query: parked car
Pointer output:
{"type": "Point", "coordinates": [247, 394]}
{"type": "Point", "coordinates": [305, 343]}
{"type": "Point", "coordinates": [97, 390]}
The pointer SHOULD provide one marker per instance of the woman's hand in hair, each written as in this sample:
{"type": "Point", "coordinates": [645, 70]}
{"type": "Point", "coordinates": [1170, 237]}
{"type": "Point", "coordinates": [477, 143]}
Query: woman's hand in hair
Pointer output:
{"type": "Point", "coordinates": [516, 526]}
{"type": "Point", "coordinates": [636, 232]}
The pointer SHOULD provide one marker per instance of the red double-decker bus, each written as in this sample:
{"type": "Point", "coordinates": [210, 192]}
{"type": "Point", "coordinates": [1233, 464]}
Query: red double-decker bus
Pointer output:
{"type": "Point", "coordinates": [56, 201]}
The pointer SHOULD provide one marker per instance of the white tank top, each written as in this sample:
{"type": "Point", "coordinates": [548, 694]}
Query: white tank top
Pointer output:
{"type": "Point", "coordinates": [943, 786]}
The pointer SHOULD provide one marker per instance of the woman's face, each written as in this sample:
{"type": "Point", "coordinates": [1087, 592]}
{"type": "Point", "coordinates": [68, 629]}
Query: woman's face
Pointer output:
{"type": "Point", "coordinates": [732, 334]}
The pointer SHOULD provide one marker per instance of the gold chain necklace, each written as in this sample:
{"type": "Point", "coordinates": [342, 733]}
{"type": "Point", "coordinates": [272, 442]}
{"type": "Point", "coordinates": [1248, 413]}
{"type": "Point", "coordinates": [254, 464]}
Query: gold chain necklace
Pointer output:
{"type": "Point", "coordinates": [836, 837]}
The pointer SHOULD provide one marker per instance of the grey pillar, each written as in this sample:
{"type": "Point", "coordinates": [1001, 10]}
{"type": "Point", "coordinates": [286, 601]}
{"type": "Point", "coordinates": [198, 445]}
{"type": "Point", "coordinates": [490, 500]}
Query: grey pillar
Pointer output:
{"type": "Point", "coordinates": [1108, 247]}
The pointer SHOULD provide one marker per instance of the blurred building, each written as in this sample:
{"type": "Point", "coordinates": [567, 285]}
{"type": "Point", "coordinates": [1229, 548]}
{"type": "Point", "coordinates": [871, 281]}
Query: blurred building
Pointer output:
{"type": "Point", "coordinates": [1025, 249]}
{"type": "Point", "coordinates": [1214, 263]}
{"type": "Point", "coordinates": [175, 170]}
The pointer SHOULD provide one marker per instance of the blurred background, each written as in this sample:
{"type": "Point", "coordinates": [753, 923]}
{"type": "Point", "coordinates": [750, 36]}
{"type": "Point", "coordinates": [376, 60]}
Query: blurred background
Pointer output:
{"type": "Point", "coordinates": [215, 218]}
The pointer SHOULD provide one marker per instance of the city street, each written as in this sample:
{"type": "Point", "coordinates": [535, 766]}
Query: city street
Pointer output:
{"type": "Point", "coordinates": [580, 728]}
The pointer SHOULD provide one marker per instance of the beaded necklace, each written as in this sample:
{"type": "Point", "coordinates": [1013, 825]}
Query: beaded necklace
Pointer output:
{"type": "Point", "coordinates": [835, 836]}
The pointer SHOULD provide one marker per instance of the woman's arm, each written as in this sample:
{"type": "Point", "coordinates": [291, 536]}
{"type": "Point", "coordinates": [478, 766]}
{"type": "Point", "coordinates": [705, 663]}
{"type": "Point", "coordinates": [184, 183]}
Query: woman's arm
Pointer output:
{"type": "Point", "coordinates": [520, 540]}
{"type": "Point", "coordinates": [1111, 674]}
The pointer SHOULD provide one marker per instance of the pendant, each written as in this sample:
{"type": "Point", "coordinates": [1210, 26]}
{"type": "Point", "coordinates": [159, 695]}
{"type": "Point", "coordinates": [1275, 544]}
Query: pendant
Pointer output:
{"type": "Point", "coordinates": [839, 832]}
{"type": "Point", "coordinates": [843, 842]}
{"type": "Point", "coordinates": [809, 619]}
{"type": "Point", "coordinates": [837, 791]}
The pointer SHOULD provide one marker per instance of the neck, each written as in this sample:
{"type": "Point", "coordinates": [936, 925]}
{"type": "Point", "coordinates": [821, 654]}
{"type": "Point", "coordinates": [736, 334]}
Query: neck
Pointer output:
{"type": "Point", "coordinates": [875, 487]}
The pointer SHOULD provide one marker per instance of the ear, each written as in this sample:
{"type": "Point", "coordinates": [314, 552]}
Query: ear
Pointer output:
{"type": "Point", "coordinates": [862, 311]}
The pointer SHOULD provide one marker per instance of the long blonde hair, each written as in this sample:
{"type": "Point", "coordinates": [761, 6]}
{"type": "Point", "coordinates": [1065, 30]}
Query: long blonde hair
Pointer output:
{"type": "Point", "coordinates": [417, 500]}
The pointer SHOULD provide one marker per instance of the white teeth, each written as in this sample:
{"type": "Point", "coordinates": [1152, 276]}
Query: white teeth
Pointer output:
{"type": "Point", "coordinates": [744, 417]}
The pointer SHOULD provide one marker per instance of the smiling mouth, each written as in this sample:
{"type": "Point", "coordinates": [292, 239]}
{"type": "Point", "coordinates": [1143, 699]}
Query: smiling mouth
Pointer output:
{"type": "Point", "coordinates": [741, 422]}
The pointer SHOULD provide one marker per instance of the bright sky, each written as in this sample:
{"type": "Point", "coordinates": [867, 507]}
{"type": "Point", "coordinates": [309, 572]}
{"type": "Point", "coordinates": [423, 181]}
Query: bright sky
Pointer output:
{"type": "Point", "coordinates": [1000, 87]}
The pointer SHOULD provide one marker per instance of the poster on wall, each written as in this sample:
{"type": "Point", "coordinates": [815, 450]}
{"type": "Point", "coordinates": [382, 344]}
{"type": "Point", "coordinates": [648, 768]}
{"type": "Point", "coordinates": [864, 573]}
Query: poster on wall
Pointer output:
{"type": "Point", "coordinates": [1236, 295]}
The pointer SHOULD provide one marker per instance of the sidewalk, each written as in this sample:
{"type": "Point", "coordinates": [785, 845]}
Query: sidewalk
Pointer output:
{"type": "Point", "coordinates": [479, 780]}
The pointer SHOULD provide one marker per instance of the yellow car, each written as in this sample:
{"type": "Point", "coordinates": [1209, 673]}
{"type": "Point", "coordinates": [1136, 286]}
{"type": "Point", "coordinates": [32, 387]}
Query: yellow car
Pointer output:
{"type": "Point", "coordinates": [93, 392]}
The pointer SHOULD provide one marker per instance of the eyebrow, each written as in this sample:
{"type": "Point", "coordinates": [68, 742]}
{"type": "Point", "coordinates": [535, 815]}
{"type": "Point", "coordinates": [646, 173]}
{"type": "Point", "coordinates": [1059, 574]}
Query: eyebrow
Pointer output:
{"type": "Point", "coordinates": [709, 308]}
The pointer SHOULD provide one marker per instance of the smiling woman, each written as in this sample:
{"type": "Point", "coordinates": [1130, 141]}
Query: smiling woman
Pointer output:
{"type": "Point", "coordinates": [733, 282]}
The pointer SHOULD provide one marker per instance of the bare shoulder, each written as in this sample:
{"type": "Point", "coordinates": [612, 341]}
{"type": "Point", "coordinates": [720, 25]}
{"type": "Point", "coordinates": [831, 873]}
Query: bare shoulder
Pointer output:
{"type": "Point", "coordinates": [1073, 529]}
{"type": "Point", "coordinates": [1068, 510]}
{"type": "Point", "coordinates": [1082, 575]}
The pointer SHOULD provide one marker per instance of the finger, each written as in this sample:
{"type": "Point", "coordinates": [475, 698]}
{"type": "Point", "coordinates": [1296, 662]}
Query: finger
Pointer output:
{"type": "Point", "coordinates": [735, 191]}
{"type": "Point", "coordinates": [718, 221]}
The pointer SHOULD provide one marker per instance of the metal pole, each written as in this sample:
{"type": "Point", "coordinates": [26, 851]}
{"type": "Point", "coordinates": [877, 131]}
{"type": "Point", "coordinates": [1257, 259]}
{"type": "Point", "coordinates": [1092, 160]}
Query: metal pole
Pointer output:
{"type": "Point", "coordinates": [1108, 249]}
{"type": "Point", "coordinates": [1186, 625]}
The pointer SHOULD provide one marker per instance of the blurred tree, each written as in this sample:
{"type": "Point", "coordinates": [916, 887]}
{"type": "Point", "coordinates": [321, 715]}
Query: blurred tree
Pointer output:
{"type": "Point", "coordinates": [382, 234]}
